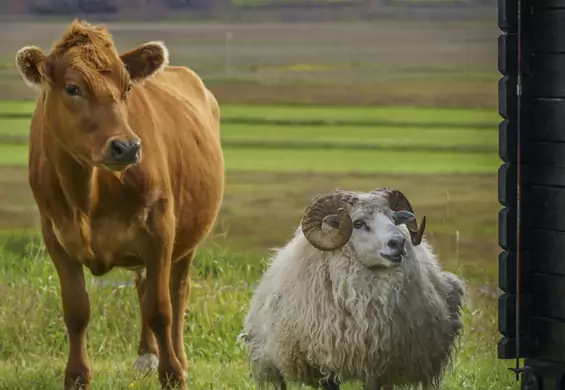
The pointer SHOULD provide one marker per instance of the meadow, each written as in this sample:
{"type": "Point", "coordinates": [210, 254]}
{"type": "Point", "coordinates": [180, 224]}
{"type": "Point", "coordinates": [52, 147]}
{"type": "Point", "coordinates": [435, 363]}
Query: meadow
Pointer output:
{"type": "Point", "coordinates": [267, 189]}
{"type": "Point", "coordinates": [440, 152]}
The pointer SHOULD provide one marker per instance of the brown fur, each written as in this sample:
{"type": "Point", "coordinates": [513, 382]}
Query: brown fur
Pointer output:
{"type": "Point", "coordinates": [149, 215]}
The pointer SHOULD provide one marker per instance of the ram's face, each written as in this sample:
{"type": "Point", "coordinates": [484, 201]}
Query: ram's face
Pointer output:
{"type": "Point", "coordinates": [379, 237]}
{"type": "Point", "coordinates": [376, 225]}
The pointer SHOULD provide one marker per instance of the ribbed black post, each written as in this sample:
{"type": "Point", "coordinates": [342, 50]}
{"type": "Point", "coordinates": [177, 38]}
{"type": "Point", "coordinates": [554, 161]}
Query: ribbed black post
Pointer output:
{"type": "Point", "coordinates": [542, 182]}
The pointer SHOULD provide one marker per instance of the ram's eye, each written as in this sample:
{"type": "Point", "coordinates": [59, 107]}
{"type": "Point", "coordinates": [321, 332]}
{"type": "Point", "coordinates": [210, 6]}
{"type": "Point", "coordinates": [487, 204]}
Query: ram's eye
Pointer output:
{"type": "Point", "coordinates": [72, 89]}
{"type": "Point", "coordinates": [358, 224]}
{"type": "Point", "coordinates": [129, 88]}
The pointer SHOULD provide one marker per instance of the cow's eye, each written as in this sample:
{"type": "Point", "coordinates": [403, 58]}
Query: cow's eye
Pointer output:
{"type": "Point", "coordinates": [128, 90]}
{"type": "Point", "coordinates": [72, 89]}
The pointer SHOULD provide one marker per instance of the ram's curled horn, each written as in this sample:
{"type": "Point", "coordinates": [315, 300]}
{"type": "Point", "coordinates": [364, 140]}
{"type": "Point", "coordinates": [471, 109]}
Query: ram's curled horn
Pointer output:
{"type": "Point", "coordinates": [398, 201]}
{"type": "Point", "coordinates": [326, 223]}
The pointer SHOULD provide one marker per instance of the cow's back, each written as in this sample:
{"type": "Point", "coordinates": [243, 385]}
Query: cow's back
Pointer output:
{"type": "Point", "coordinates": [178, 121]}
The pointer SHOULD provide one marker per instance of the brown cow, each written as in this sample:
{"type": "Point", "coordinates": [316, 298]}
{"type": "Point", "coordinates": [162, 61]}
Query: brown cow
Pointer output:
{"type": "Point", "coordinates": [127, 170]}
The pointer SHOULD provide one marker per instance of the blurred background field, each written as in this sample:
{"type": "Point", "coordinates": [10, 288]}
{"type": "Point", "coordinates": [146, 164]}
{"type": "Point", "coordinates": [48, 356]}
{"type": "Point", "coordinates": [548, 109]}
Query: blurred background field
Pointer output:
{"type": "Point", "coordinates": [403, 98]}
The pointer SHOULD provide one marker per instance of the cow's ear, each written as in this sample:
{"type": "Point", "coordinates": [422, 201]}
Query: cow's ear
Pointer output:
{"type": "Point", "coordinates": [145, 60]}
{"type": "Point", "coordinates": [30, 61]}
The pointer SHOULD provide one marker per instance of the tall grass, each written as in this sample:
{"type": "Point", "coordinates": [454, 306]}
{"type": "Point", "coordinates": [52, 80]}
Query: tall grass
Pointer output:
{"type": "Point", "coordinates": [33, 344]}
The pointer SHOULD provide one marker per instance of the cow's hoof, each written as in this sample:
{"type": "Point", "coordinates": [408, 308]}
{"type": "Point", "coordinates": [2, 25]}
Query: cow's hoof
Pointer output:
{"type": "Point", "coordinates": [178, 386]}
{"type": "Point", "coordinates": [147, 362]}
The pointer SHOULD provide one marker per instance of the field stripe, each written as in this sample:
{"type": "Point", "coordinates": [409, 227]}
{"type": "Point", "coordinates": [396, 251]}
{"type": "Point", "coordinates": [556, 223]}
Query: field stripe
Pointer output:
{"type": "Point", "coordinates": [362, 161]}
{"type": "Point", "coordinates": [15, 115]}
{"type": "Point", "coordinates": [292, 114]}
{"type": "Point", "coordinates": [358, 146]}
{"type": "Point", "coordinates": [13, 154]}
{"type": "Point", "coordinates": [9, 139]}
{"type": "Point", "coordinates": [262, 144]}
{"type": "Point", "coordinates": [323, 122]}
{"type": "Point", "coordinates": [328, 160]}
{"type": "Point", "coordinates": [364, 123]}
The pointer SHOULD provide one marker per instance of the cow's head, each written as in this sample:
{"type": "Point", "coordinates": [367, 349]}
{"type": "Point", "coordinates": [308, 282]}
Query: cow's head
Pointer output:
{"type": "Point", "coordinates": [86, 85]}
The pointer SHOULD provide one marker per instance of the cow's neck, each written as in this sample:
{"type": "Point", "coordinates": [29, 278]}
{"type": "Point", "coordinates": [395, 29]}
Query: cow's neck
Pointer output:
{"type": "Point", "coordinates": [76, 180]}
{"type": "Point", "coordinates": [76, 183]}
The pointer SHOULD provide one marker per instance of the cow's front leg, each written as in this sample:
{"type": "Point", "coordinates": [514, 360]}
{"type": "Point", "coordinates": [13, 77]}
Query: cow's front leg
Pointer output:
{"type": "Point", "coordinates": [76, 311]}
{"type": "Point", "coordinates": [148, 352]}
{"type": "Point", "coordinates": [157, 309]}
{"type": "Point", "coordinates": [179, 290]}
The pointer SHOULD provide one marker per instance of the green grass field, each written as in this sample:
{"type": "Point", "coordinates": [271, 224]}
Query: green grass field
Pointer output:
{"type": "Point", "coordinates": [333, 135]}
{"type": "Point", "coordinates": [34, 358]}
{"type": "Point", "coordinates": [415, 115]}
{"type": "Point", "coordinates": [328, 148]}
{"type": "Point", "coordinates": [332, 160]}
{"type": "Point", "coordinates": [267, 189]}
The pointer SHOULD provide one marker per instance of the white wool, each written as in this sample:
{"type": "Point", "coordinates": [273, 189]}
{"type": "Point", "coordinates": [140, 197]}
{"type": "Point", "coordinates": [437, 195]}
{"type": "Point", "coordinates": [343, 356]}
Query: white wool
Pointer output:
{"type": "Point", "coordinates": [318, 314]}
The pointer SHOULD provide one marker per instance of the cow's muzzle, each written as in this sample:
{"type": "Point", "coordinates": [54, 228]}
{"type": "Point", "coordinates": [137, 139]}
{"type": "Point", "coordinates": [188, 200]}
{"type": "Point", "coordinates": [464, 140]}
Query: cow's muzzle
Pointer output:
{"type": "Point", "coordinates": [122, 153]}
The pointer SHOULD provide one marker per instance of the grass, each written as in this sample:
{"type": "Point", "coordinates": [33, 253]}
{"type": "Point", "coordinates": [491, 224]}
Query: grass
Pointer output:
{"type": "Point", "coordinates": [329, 148]}
{"type": "Point", "coordinates": [13, 154]}
{"type": "Point", "coordinates": [327, 160]}
{"type": "Point", "coordinates": [15, 131]}
{"type": "Point", "coordinates": [17, 106]}
{"type": "Point", "coordinates": [405, 114]}
{"type": "Point", "coordinates": [267, 189]}
{"type": "Point", "coordinates": [14, 127]}
{"type": "Point", "coordinates": [365, 161]}
{"type": "Point", "coordinates": [222, 288]}
{"type": "Point", "coordinates": [224, 274]}
{"type": "Point", "coordinates": [415, 115]}
{"type": "Point", "coordinates": [254, 218]}
{"type": "Point", "coordinates": [382, 136]}
{"type": "Point", "coordinates": [224, 280]}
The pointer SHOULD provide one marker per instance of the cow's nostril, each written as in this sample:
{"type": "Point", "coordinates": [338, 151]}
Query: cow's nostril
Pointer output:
{"type": "Point", "coordinates": [118, 148]}
{"type": "Point", "coordinates": [135, 147]}
{"type": "Point", "coordinates": [124, 152]}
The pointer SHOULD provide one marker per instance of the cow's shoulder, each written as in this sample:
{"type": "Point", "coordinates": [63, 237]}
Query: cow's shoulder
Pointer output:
{"type": "Point", "coordinates": [181, 86]}
{"type": "Point", "coordinates": [182, 82]}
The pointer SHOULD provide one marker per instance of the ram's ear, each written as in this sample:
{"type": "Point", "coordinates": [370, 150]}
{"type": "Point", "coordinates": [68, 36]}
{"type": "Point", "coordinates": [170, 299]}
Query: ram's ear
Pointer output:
{"type": "Point", "coordinates": [145, 60]}
{"type": "Point", "coordinates": [30, 61]}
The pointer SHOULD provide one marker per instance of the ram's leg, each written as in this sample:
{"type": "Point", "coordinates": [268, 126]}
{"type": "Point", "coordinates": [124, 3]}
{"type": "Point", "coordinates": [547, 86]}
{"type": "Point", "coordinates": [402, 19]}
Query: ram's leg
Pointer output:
{"type": "Point", "coordinates": [148, 351]}
{"type": "Point", "coordinates": [179, 290]}
{"type": "Point", "coordinates": [283, 384]}
{"type": "Point", "coordinates": [375, 385]}
{"type": "Point", "coordinates": [329, 384]}
{"type": "Point", "coordinates": [76, 311]}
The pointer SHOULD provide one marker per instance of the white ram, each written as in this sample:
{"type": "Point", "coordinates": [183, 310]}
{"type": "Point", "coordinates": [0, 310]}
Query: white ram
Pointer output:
{"type": "Point", "coordinates": [357, 294]}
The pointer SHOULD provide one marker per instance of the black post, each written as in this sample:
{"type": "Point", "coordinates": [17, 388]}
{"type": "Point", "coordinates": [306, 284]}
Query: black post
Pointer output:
{"type": "Point", "coordinates": [538, 167]}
